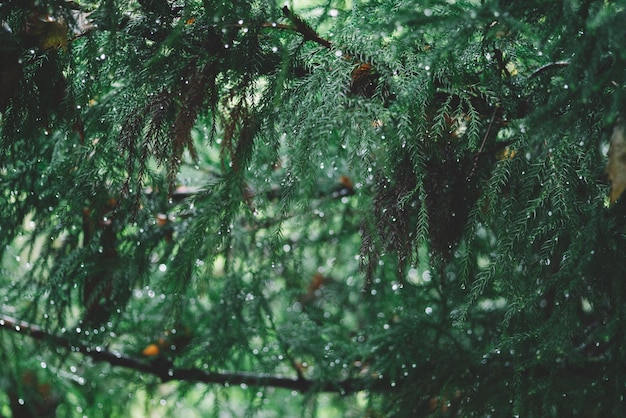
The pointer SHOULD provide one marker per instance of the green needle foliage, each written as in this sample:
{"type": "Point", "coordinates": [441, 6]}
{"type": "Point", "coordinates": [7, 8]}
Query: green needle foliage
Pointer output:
{"type": "Point", "coordinates": [318, 208]}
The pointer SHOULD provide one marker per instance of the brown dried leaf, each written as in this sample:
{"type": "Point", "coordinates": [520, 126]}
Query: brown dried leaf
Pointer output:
{"type": "Point", "coordinates": [616, 167]}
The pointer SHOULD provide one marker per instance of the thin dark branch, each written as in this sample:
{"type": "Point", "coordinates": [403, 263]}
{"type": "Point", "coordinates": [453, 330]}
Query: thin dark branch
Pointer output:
{"type": "Point", "coordinates": [167, 372]}
{"type": "Point", "coordinates": [493, 118]}
{"type": "Point", "coordinates": [482, 145]}
{"type": "Point", "coordinates": [281, 26]}
{"type": "Point", "coordinates": [543, 68]}
{"type": "Point", "coordinates": [181, 193]}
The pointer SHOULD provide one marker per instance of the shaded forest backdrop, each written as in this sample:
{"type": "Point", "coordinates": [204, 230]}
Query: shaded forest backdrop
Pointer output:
{"type": "Point", "coordinates": [317, 208]}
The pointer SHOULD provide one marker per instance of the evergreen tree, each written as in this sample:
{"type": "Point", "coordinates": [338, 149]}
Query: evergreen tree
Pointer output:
{"type": "Point", "coordinates": [317, 208]}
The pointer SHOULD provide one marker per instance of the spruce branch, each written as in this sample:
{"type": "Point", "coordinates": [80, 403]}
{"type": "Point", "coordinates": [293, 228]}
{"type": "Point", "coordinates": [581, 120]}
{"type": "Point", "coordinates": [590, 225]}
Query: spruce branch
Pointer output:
{"type": "Point", "coordinates": [167, 372]}
{"type": "Point", "coordinates": [364, 74]}
{"type": "Point", "coordinates": [304, 29]}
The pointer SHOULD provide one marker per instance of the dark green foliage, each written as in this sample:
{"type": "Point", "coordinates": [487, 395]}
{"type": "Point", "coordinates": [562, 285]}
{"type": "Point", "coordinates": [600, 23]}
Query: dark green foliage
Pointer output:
{"type": "Point", "coordinates": [246, 208]}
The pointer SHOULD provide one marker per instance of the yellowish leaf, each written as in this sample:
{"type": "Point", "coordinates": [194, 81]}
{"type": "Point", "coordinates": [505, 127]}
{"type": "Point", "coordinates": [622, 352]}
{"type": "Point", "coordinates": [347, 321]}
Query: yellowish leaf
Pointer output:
{"type": "Point", "coordinates": [616, 168]}
{"type": "Point", "coordinates": [511, 68]}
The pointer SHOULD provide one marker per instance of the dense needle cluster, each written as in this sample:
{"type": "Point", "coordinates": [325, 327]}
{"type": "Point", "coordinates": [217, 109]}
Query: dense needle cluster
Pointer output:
{"type": "Point", "coordinates": [366, 208]}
